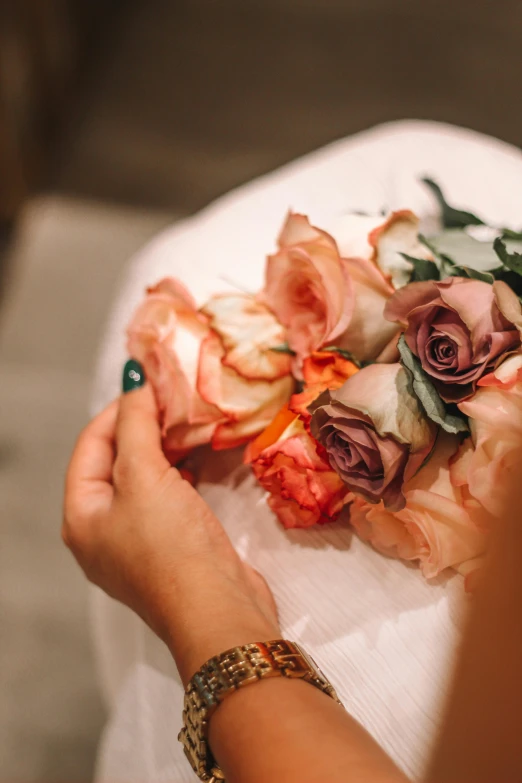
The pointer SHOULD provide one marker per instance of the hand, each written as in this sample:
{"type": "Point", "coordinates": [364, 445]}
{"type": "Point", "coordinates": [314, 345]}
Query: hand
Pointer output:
{"type": "Point", "coordinates": [144, 535]}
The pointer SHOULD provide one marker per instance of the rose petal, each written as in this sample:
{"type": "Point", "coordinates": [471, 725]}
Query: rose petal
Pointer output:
{"type": "Point", "coordinates": [248, 331]}
{"type": "Point", "coordinates": [399, 234]}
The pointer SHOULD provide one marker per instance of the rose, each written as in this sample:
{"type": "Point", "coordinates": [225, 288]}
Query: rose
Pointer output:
{"type": "Point", "coordinates": [374, 431]}
{"type": "Point", "coordinates": [323, 299]}
{"type": "Point", "coordinates": [458, 328]}
{"type": "Point", "coordinates": [303, 489]}
{"type": "Point", "coordinates": [322, 370]}
{"type": "Point", "coordinates": [211, 385]}
{"type": "Point", "coordinates": [398, 235]}
{"type": "Point", "coordinates": [370, 336]}
{"type": "Point", "coordinates": [307, 286]}
{"type": "Point", "coordinates": [438, 525]}
{"type": "Point", "coordinates": [382, 241]}
{"type": "Point", "coordinates": [495, 413]}
{"type": "Point", "coordinates": [165, 336]}
{"type": "Point", "coordinates": [239, 372]}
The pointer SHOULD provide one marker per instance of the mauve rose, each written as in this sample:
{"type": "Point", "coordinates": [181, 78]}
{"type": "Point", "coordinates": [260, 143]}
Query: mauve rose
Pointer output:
{"type": "Point", "coordinates": [458, 328]}
{"type": "Point", "coordinates": [440, 526]}
{"type": "Point", "coordinates": [374, 431]}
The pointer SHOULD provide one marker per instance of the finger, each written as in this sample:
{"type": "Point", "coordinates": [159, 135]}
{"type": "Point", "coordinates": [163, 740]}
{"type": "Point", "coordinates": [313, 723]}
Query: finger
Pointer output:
{"type": "Point", "coordinates": [138, 431]}
{"type": "Point", "coordinates": [90, 468]}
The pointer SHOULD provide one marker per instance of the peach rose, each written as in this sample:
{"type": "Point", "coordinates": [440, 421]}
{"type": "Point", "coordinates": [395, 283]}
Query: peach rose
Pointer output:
{"type": "Point", "coordinates": [458, 328]}
{"type": "Point", "coordinates": [438, 526]}
{"type": "Point", "coordinates": [214, 383]}
{"type": "Point", "coordinates": [374, 431]}
{"type": "Point", "coordinates": [303, 489]}
{"type": "Point", "coordinates": [323, 299]}
{"type": "Point", "coordinates": [495, 413]}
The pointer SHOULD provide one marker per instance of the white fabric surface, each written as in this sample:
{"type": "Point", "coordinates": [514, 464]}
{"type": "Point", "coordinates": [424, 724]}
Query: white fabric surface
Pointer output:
{"type": "Point", "coordinates": [384, 636]}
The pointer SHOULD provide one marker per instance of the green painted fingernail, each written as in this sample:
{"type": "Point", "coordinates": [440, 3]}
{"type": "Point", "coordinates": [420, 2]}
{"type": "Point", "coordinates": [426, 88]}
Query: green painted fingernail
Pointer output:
{"type": "Point", "coordinates": [133, 376]}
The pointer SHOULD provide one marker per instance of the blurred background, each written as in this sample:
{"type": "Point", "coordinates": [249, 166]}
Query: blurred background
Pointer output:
{"type": "Point", "coordinates": [118, 117]}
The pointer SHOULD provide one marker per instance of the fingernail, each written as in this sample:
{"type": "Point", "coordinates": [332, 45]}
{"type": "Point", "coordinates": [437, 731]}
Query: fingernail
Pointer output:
{"type": "Point", "coordinates": [133, 376]}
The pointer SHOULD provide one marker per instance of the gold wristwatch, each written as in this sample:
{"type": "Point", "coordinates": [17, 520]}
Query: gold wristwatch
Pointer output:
{"type": "Point", "coordinates": [226, 673]}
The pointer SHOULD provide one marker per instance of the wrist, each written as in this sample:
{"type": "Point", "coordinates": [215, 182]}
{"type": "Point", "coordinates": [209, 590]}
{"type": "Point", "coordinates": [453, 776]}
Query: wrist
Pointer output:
{"type": "Point", "coordinates": [210, 613]}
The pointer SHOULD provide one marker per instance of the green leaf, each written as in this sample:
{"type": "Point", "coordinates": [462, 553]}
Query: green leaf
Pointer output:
{"type": "Point", "coordinates": [512, 261]}
{"type": "Point", "coordinates": [451, 217]}
{"type": "Point", "coordinates": [446, 263]}
{"type": "Point", "coordinates": [345, 354]}
{"type": "Point", "coordinates": [474, 274]}
{"type": "Point", "coordinates": [423, 269]}
{"type": "Point", "coordinates": [508, 233]}
{"type": "Point", "coordinates": [283, 348]}
{"type": "Point", "coordinates": [427, 394]}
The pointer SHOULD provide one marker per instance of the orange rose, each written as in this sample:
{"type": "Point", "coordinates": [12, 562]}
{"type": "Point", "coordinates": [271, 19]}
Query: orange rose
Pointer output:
{"type": "Point", "coordinates": [289, 463]}
{"type": "Point", "coordinates": [303, 489]}
{"type": "Point", "coordinates": [322, 370]}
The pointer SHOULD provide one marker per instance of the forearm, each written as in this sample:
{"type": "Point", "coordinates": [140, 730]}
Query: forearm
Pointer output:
{"type": "Point", "coordinates": [288, 731]}
{"type": "Point", "coordinates": [480, 740]}
{"type": "Point", "coordinates": [277, 729]}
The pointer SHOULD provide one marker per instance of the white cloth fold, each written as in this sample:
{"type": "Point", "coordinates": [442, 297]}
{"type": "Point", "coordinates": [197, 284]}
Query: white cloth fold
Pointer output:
{"type": "Point", "coordinates": [383, 635]}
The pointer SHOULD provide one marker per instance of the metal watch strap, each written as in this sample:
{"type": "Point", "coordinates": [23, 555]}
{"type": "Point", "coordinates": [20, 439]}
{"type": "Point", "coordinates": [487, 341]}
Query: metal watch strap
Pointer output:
{"type": "Point", "coordinates": [226, 673]}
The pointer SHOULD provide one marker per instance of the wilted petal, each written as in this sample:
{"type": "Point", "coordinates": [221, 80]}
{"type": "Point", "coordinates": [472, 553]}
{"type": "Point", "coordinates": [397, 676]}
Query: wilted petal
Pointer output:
{"type": "Point", "coordinates": [399, 234]}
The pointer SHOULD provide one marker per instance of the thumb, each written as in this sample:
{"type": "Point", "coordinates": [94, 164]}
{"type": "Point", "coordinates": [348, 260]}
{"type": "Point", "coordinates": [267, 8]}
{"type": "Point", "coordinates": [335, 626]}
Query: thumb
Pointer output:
{"type": "Point", "coordinates": [138, 431]}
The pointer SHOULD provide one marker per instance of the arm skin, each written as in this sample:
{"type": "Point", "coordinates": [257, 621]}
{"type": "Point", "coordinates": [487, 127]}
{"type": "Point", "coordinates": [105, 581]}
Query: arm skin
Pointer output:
{"type": "Point", "coordinates": [481, 740]}
{"type": "Point", "coordinates": [145, 536]}
{"type": "Point", "coordinates": [278, 729]}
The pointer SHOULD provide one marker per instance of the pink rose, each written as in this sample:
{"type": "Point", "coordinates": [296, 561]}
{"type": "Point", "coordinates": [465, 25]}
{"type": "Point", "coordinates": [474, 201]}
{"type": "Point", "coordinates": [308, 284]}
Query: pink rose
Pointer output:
{"type": "Point", "coordinates": [214, 381]}
{"type": "Point", "coordinates": [323, 299]}
{"type": "Point", "coordinates": [495, 413]}
{"type": "Point", "coordinates": [458, 328]}
{"type": "Point", "coordinates": [303, 489]}
{"type": "Point", "coordinates": [438, 526]}
{"type": "Point", "coordinates": [374, 431]}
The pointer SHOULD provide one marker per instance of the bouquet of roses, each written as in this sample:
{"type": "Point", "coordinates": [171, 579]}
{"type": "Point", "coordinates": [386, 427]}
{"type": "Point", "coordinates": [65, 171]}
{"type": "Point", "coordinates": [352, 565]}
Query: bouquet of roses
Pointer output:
{"type": "Point", "coordinates": [377, 374]}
